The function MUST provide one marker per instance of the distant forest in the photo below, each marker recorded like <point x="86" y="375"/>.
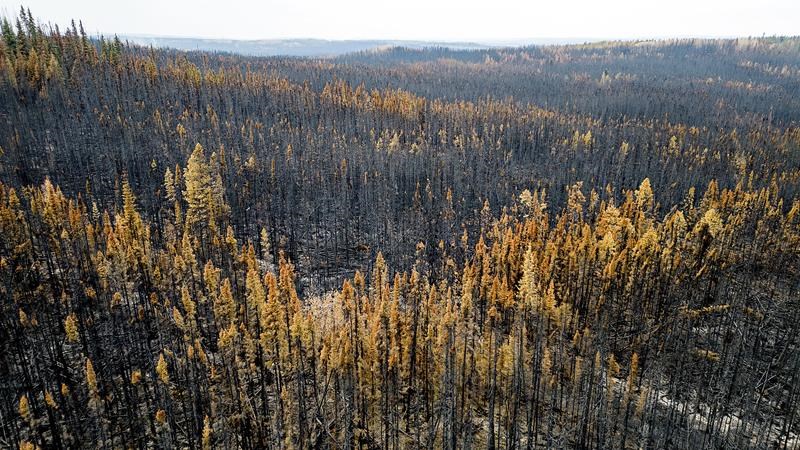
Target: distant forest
<point x="583" y="246"/>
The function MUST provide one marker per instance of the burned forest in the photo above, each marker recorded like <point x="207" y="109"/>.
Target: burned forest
<point x="592" y="246"/>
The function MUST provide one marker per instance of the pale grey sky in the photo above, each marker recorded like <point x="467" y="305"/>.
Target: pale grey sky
<point x="450" y="20"/>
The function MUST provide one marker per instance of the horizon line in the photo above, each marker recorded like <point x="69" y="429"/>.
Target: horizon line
<point x="493" y="41"/>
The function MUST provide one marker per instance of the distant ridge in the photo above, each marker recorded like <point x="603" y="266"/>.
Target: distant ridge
<point x="325" y="48"/>
<point x="290" y="47"/>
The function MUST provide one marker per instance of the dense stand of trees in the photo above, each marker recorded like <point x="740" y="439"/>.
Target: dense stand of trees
<point x="588" y="246"/>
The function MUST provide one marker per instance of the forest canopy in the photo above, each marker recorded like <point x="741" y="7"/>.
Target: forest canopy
<point x="583" y="246"/>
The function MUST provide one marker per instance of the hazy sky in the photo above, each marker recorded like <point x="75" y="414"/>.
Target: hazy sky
<point x="489" y="20"/>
